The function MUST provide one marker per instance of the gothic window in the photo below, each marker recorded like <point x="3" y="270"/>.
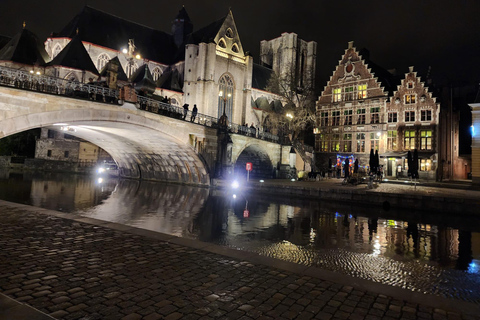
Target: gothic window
<point x="337" y="95"/>
<point x="409" y="98"/>
<point x="426" y="140"/>
<point x="409" y="140"/>
<point x="361" y="142"/>
<point x="130" y="68"/>
<point x="409" y="116"/>
<point x="156" y="72"/>
<point x="392" y="140"/>
<point x="235" y="48"/>
<point x="361" y="116"/>
<point x="426" y="115"/>
<point x="56" y="50"/>
<point x="225" y="96"/>
<point x="375" y="115"/>
<point x="392" y="117"/>
<point x="229" y="33"/>
<point x="102" y="61"/>
<point x="222" y="44"/>
<point x="362" y="91"/>
<point x="348" y="117"/>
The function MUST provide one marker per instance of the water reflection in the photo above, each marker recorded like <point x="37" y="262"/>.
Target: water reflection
<point x="416" y="250"/>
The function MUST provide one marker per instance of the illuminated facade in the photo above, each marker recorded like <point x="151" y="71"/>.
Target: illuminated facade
<point x="359" y="111"/>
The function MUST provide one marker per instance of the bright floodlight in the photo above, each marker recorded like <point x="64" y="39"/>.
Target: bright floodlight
<point x="235" y="184"/>
<point x="124" y="50"/>
<point x="262" y="181"/>
<point x="378" y="134"/>
<point x="292" y="180"/>
<point x="234" y="196"/>
<point x="100" y="180"/>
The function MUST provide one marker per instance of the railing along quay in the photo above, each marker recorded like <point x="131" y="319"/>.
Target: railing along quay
<point x="86" y="91"/>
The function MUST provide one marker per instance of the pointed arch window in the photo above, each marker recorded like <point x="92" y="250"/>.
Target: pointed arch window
<point x="225" y="96"/>
<point x="130" y="68"/>
<point x="102" y="61"/>
<point x="56" y="50"/>
<point x="156" y="72"/>
<point x="222" y="43"/>
<point x="235" y="48"/>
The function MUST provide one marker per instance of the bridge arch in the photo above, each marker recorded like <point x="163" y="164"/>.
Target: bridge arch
<point x="145" y="145"/>
<point x="262" y="165"/>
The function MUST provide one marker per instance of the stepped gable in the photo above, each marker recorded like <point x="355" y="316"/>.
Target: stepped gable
<point x="260" y="76"/>
<point x="75" y="56"/>
<point x="121" y="74"/>
<point x="387" y="79"/>
<point x="103" y="29"/>
<point x="24" y="48"/>
<point x="352" y="68"/>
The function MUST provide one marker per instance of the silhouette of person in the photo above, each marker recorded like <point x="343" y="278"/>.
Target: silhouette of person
<point x="194" y="113"/>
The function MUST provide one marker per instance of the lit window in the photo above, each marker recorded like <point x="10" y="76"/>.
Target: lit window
<point x="324" y="142"/>
<point x="347" y="142"/>
<point x="375" y="115"/>
<point x="362" y="91"/>
<point x="337" y="95"/>
<point x="102" y="61"/>
<point x="156" y="73"/>
<point x="409" y="116"/>
<point x="392" y="140"/>
<point x="426" y="115"/>
<point x="374" y="141"/>
<point x="409" y="98"/>
<point x="409" y="140"/>
<point x="348" y="117"/>
<point x="426" y="140"/>
<point x="360" y="142"/>
<point x="392" y="117"/>
<point x="335" y="144"/>
<point x="410" y="85"/>
<point x="130" y="68"/>
<point x="361" y="116"/>
<point x="425" y="165"/>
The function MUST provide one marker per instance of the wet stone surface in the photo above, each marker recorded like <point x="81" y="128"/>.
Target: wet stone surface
<point x="74" y="270"/>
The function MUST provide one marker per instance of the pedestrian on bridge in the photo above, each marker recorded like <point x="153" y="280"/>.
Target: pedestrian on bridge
<point x="194" y="113"/>
<point x="185" y="110"/>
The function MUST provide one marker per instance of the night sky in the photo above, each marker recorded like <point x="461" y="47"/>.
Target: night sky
<point x="441" y="34"/>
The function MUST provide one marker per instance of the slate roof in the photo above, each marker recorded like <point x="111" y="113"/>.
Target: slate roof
<point x="74" y="55"/>
<point x="4" y="40"/>
<point x="24" y="48"/>
<point x="182" y="15"/>
<point x="110" y="31"/>
<point x="206" y="34"/>
<point x="170" y="80"/>
<point x="143" y="80"/>
<point x="260" y="76"/>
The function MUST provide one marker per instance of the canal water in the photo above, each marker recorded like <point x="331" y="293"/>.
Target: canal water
<point x="421" y="251"/>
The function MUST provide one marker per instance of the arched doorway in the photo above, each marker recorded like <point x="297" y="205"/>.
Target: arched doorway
<point x="262" y="167"/>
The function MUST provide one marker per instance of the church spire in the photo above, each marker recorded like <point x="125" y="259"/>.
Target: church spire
<point x="181" y="27"/>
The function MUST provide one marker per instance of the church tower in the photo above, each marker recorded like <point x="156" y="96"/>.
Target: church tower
<point x="181" y="27"/>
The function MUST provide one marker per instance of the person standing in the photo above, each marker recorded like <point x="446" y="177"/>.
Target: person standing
<point x="185" y="110"/>
<point x="194" y="113"/>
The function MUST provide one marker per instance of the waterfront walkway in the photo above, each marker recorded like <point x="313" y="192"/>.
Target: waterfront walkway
<point x="55" y="265"/>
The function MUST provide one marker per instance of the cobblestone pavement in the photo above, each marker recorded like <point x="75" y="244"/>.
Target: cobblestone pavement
<point x="70" y="269"/>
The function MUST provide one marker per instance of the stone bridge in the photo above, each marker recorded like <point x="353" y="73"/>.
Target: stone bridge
<point x="145" y="145"/>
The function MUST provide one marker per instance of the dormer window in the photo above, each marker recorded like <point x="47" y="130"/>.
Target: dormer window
<point x="235" y="48"/>
<point x="222" y="44"/>
<point x="229" y="33"/>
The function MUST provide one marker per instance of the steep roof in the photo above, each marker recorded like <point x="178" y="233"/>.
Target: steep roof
<point x="121" y="74"/>
<point x="182" y="15"/>
<point x="143" y="80"/>
<point x="24" y="48"/>
<point x="4" y="40"/>
<point x="260" y="76"/>
<point x="110" y="31"/>
<point x="207" y="34"/>
<point x="74" y="55"/>
<point x="170" y="80"/>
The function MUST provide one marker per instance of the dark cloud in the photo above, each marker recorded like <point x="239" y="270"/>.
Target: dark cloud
<point x="442" y="34"/>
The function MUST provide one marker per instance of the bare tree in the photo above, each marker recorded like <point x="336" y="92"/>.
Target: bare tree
<point x="298" y="94"/>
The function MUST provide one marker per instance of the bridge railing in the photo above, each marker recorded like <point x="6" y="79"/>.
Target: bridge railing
<point x="31" y="81"/>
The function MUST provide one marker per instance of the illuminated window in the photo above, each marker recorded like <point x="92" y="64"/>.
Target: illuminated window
<point x="347" y="142"/>
<point x="348" y="93"/>
<point x="409" y="140"/>
<point x="225" y="96"/>
<point x="392" y="140"/>
<point x="156" y="72"/>
<point x="426" y="140"/>
<point x="374" y="141"/>
<point x="324" y="140"/>
<point x="360" y="142"/>
<point x="362" y="91"/>
<point x="392" y="117"/>
<point x="324" y="119"/>
<point x="130" y="68"/>
<point x="426" y="115"/>
<point x="337" y="95"/>
<point x="335" y="118"/>
<point x="335" y="144"/>
<point x="348" y="117"/>
<point x="361" y="116"/>
<point x="409" y="98"/>
<point x="102" y="61"/>
<point x="375" y="115"/>
<point x="425" y="165"/>
<point x="409" y="116"/>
